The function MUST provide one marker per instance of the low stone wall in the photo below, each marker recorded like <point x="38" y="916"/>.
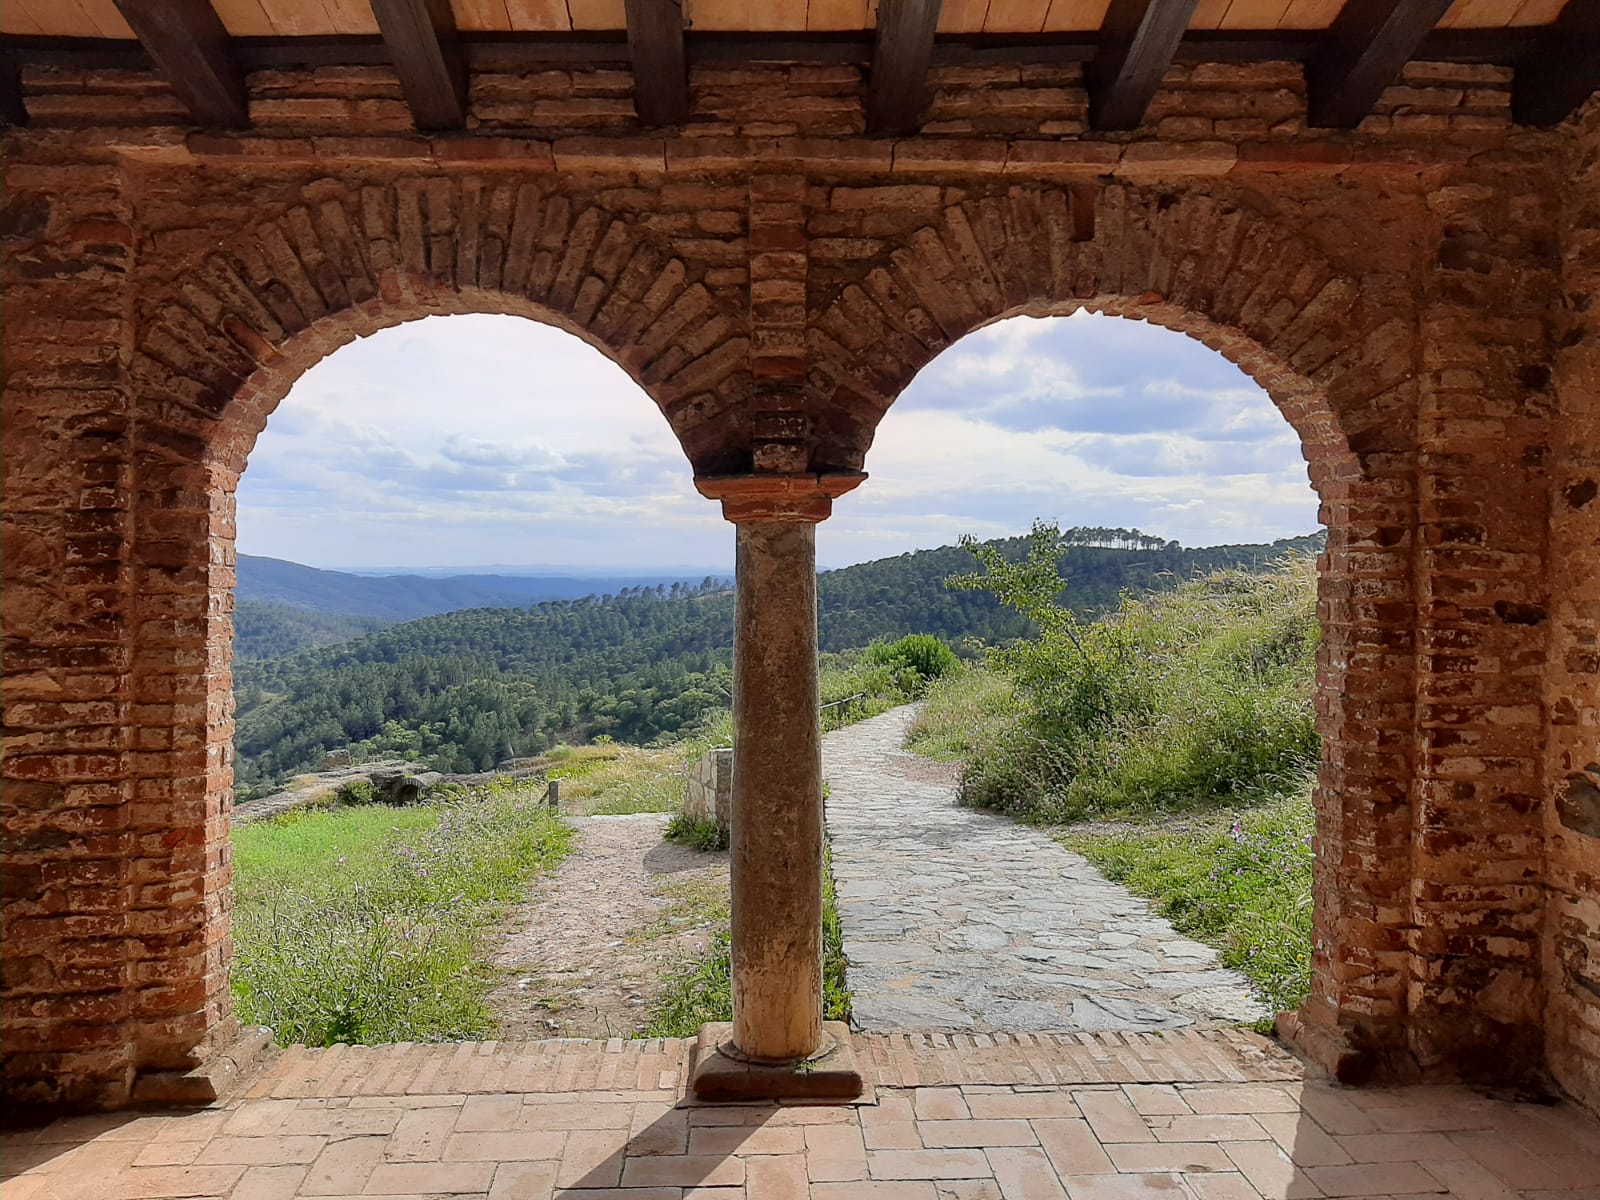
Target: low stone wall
<point x="710" y="792"/>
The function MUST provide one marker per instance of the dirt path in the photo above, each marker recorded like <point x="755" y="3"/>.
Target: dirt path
<point x="586" y="956"/>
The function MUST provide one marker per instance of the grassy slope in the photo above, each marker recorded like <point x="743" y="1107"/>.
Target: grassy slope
<point x="367" y="924"/>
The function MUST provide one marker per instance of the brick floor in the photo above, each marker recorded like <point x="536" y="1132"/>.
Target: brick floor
<point x="1221" y="1115"/>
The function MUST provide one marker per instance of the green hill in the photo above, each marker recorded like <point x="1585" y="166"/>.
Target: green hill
<point x="467" y="689"/>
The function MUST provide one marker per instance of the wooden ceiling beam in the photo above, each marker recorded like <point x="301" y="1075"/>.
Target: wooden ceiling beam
<point x="187" y="42"/>
<point x="421" y="38"/>
<point x="1562" y="71"/>
<point x="12" y="109"/>
<point x="660" y="69"/>
<point x="902" y="49"/>
<point x="1368" y="45"/>
<point x="1137" y="43"/>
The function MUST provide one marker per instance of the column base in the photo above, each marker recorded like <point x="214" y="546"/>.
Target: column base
<point x="213" y="1080"/>
<point x="830" y="1075"/>
<point x="1336" y="1053"/>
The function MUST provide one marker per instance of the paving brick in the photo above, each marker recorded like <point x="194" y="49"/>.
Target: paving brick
<point x="141" y="1183"/>
<point x="927" y="1164"/>
<point x="1270" y="1172"/>
<point x="774" y="1177"/>
<point x="1154" y="1099"/>
<point x="343" y="1167"/>
<point x="1163" y="1186"/>
<point x="515" y="1146"/>
<point x="1169" y="1156"/>
<point x="748" y="1139"/>
<point x="1303" y="1140"/>
<point x="1072" y="1147"/>
<point x="1368" y="1179"/>
<point x="1022" y="1105"/>
<point x="420" y="1136"/>
<point x="523" y="1181"/>
<point x="682" y="1170"/>
<point x="936" y="1134"/>
<point x="414" y="1179"/>
<point x="941" y="1104"/>
<point x="1226" y="1128"/>
<point x="592" y="1159"/>
<point x="483" y="1114"/>
<point x="898" y="1135"/>
<point x="835" y="1153"/>
<point x="269" y="1183"/>
<point x="1024" y="1173"/>
<point x="1112" y="1118"/>
<point x="273" y="1150"/>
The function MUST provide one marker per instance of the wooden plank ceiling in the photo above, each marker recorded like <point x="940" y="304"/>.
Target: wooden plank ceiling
<point x="1352" y="49"/>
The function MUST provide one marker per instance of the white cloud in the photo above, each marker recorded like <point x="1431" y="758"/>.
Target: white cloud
<point x="466" y="441"/>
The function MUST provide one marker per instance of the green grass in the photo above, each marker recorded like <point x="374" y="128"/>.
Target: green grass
<point x="1183" y="700"/>
<point x="1239" y="880"/>
<point x="960" y="713"/>
<point x="702" y="990"/>
<point x="368" y="924"/>
<point x="698" y="835"/>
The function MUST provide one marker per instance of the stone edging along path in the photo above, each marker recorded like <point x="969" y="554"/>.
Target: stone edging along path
<point x="961" y="920"/>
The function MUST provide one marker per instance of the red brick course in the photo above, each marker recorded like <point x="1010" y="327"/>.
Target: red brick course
<point x="1414" y="295"/>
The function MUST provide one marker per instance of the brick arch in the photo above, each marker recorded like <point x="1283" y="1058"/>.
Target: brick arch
<point x="217" y="346"/>
<point x="241" y="322"/>
<point x="1340" y="363"/>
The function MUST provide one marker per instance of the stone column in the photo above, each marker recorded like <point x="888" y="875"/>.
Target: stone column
<point x="777" y="1044"/>
<point x="776" y="859"/>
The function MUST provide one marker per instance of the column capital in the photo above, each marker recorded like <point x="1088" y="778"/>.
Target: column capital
<point x="802" y="497"/>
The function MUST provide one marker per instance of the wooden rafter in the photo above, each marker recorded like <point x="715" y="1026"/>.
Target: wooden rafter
<point x="660" y="70"/>
<point x="421" y="37"/>
<point x="189" y="45"/>
<point x="12" y="110"/>
<point x="1368" y="44"/>
<point x="1562" y="71"/>
<point x="901" y="52"/>
<point x="1137" y="45"/>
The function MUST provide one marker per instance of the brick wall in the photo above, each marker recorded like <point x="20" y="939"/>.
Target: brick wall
<point x="1571" y="814"/>
<point x="773" y="280"/>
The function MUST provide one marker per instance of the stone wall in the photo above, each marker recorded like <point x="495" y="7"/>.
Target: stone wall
<point x="1414" y="296"/>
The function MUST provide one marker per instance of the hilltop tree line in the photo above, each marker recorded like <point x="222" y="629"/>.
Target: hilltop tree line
<point x="466" y="690"/>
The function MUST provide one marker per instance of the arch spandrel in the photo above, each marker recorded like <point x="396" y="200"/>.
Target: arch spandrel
<point x="241" y="319"/>
<point x="1331" y="356"/>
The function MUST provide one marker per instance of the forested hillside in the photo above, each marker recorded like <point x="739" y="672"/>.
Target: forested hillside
<point x="468" y="689"/>
<point x="262" y="629"/>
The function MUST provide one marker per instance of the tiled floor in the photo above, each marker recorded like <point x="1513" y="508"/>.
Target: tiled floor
<point x="1186" y="1117"/>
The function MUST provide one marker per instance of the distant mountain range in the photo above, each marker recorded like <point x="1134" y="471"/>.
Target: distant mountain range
<point x="407" y="597"/>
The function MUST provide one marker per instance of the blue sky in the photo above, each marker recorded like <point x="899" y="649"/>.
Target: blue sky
<point x="476" y="441"/>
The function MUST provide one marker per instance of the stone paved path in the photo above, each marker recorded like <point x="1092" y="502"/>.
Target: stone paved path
<point x="958" y="919"/>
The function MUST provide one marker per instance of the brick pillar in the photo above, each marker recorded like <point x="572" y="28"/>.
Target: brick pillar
<point x="72" y="943"/>
<point x="1475" y="995"/>
<point x="182" y="774"/>
<point x="777" y="1044"/>
<point x="1572" y="678"/>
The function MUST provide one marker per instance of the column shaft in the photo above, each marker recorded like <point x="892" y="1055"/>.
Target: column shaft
<point x="777" y="794"/>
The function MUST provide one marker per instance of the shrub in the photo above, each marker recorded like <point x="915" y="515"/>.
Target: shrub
<point x="1176" y="700"/>
<point x="923" y="653"/>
